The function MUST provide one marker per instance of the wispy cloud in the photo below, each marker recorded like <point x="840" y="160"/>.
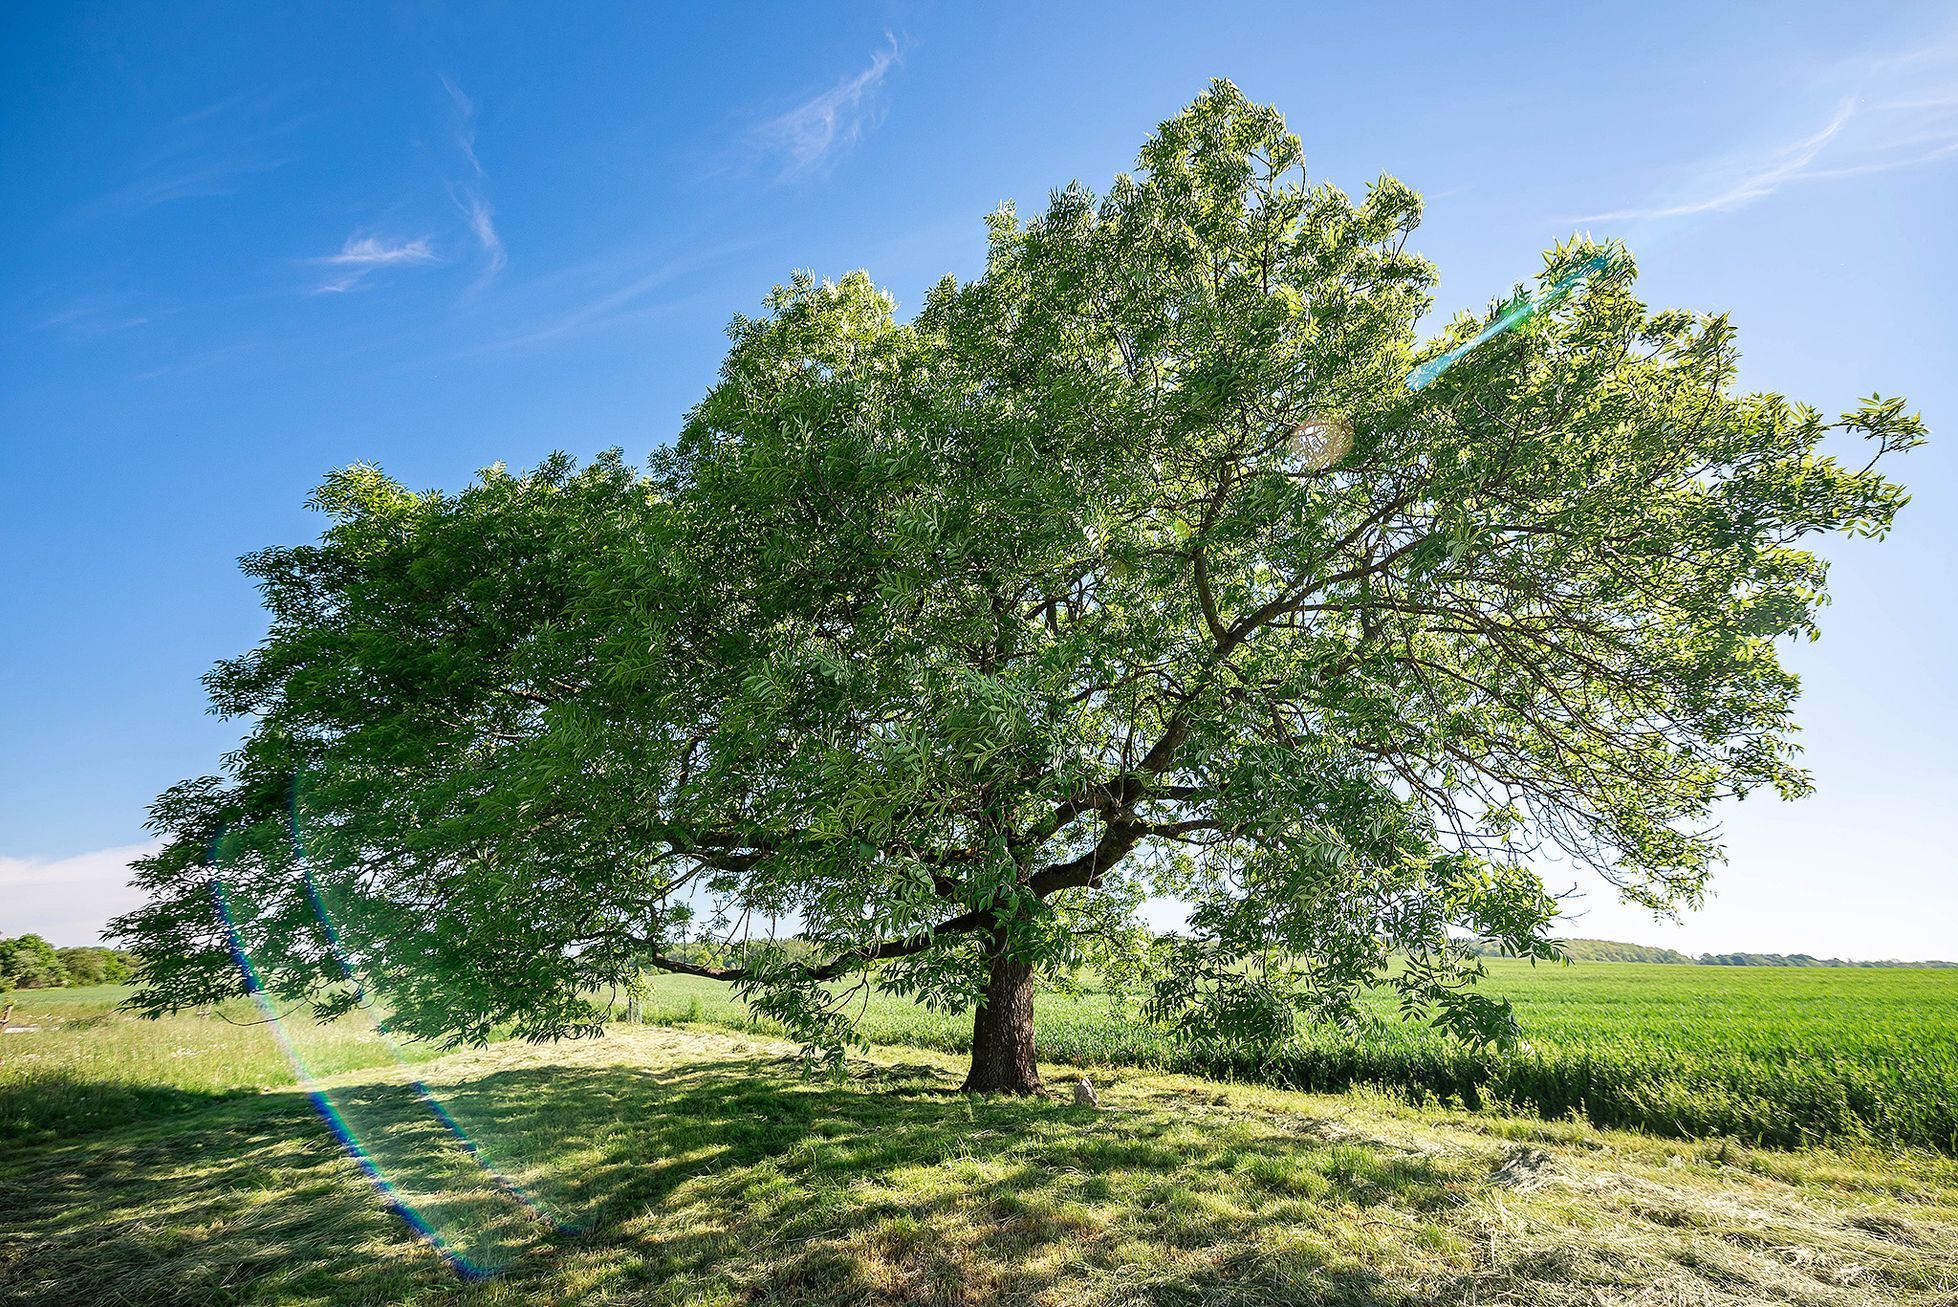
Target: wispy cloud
<point x="470" y="195"/>
<point x="465" y="121"/>
<point x="1898" y="113"/>
<point x="209" y="152"/>
<point x="481" y="218"/>
<point x="362" y="255"/>
<point x="183" y="179"/>
<point x="809" y="133"/>
<point x="1756" y="181"/>
<point x="371" y="251"/>
<point x="607" y="295"/>
<point x="89" y="318"/>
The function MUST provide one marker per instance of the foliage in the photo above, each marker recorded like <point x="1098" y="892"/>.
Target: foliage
<point x="1130" y="567"/>
<point x="1611" y="950"/>
<point x="1804" y="960"/>
<point x="1597" y="950"/>
<point x="29" y="962"/>
<point x="95" y="966"/>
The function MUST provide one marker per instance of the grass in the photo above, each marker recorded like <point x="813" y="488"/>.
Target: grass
<point x="1777" y="1056"/>
<point x="703" y="1167"/>
<point x="1785" y="1057"/>
<point x="88" y="1067"/>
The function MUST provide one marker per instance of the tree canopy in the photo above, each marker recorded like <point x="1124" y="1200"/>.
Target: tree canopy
<point x="90" y="965"/>
<point x="1132" y="567"/>
<point x="29" y="962"/>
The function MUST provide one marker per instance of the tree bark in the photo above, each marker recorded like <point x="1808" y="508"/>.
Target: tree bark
<point x="1003" y="1059"/>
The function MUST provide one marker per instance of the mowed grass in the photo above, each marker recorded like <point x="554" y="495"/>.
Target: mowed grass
<point x="1768" y="1055"/>
<point x="703" y="1167"/>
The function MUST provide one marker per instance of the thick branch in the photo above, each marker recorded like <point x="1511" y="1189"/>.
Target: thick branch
<point x="963" y="924"/>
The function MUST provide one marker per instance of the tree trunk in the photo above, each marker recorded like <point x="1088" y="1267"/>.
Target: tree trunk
<point x="1002" y="1028"/>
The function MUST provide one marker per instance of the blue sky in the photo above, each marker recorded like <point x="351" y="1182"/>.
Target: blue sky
<point x="246" y="244"/>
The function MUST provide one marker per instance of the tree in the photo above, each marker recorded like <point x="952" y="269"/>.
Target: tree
<point x="1133" y="566"/>
<point x="29" y="962"/>
<point x="93" y="966"/>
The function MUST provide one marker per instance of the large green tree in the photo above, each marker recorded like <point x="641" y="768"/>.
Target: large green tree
<point x="89" y="965"/>
<point x="1133" y="566"/>
<point x="30" y="962"/>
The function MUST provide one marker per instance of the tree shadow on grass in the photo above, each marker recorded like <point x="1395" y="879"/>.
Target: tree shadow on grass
<point x="65" y="1105"/>
<point x="729" y="1180"/>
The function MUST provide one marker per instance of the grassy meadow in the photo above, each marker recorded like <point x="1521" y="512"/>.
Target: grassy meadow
<point x="691" y="1159"/>
<point x="702" y="1167"/>
<point x="1781" y="1056"/>
<point x="85" y="1066"/>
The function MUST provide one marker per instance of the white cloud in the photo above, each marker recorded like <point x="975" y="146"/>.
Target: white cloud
<point x="68" y="901"/>
<point x="90" y="317"/>
<point x="192" y="179"/>
<point x="466" y="121"/>
<point x="213" y="151"/>
<point x="608" y="295"/>
<point x="482" y="225"/>
<point x="810" y="132"/>
<point x="370" y="252"/>
<point x="1754" y="182"/>
<point x="361" y="255"/>
<point x="469" y="195"/>
<point x="1898" y="112"/>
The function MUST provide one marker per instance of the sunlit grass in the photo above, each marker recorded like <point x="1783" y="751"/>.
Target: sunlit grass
<point x="711" y="1170"/>
<point x="85" y="1066"/>
<point x="1779" y="1056"/>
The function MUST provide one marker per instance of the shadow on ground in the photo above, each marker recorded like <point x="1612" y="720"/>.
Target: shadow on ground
<point x="63" y="1105"/>
<point x="718" y="1180"/>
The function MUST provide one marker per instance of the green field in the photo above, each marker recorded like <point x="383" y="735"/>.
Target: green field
<point x="176" y="1162"/>
<point x="87" y="1066"/>
<point x="1776" y="1056"/>
<point x="1783" y="1056"/>
<point x="703" y="1168"/>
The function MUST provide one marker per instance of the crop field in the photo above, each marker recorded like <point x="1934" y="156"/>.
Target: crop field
<point x="1782" y="1056"/>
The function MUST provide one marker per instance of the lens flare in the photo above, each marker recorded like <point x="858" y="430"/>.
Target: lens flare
<point x="1519" y="312"/>
<point x="429" y="1099"/>
<point x="406" y="1141"/>
<point x="1320" y="441"/>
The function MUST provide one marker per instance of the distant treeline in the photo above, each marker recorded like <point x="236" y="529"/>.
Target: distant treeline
<point x="30" y="962"/>
<point x="1611" y="950"/>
